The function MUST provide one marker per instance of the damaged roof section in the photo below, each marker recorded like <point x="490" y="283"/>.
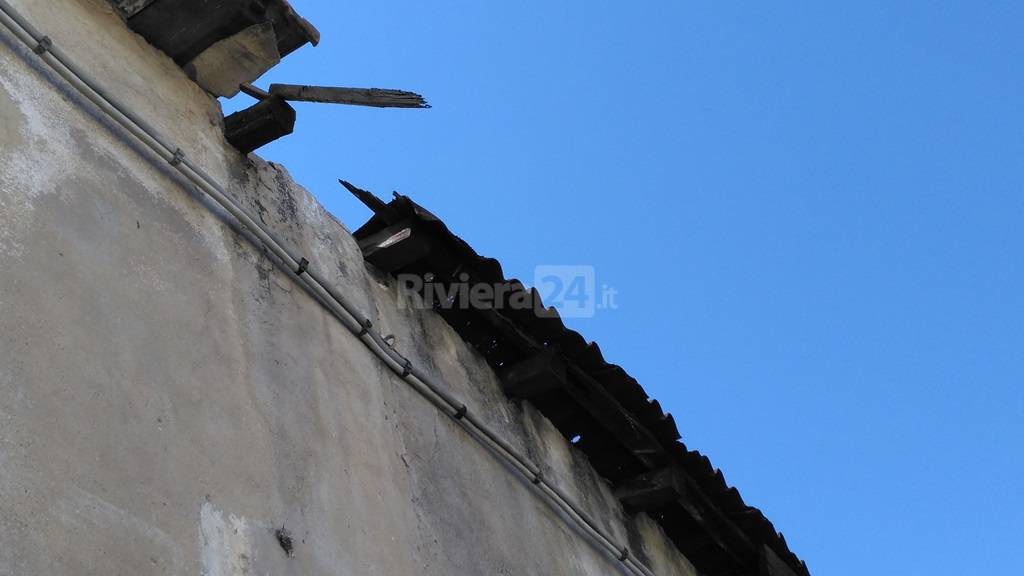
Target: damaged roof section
<point x="221" y="44"/>
<point x="225" y="45"/>
<point x="625" y="434"/>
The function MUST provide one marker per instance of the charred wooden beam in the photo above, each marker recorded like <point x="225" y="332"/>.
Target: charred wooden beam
<point x="259" y="125"/>
<point x="592" y="398"/>
<point x="379" y="207"/>
<point x="718" y="543"/>
<point x="729" y="538"/>
<point x="730" y="542"/>
<point x="622" y="425"/>
<point x="652" y="489"/>
<point x="375" y="97"/>
<point x="396" y="246"/>
<point x="538" y="374"/>
<point x="725" y="544"/>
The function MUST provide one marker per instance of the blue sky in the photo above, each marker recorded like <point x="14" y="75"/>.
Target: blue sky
<point x="813" y="214"/>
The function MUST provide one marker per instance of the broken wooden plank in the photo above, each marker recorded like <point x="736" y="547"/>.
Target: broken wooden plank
<point x="375" y="97"/>
<point x="541" y="373"/>
<point x="259" y="125"/>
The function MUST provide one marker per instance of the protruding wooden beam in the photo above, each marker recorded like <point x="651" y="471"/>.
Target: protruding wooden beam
<point x="395" y="247"/>
<point x="379" y="207"/>
<point x="536" y="375"/>
<point x="652" y="489"/>
<point x="259" y="125"/>
<point x="250" y="90"/>
<point x="375" y="97"/>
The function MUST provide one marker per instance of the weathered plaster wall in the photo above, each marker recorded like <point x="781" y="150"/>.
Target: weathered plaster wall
<point x="169" y="398"/>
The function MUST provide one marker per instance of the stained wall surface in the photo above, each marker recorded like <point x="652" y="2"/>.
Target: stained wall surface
<point x="170" y="399"/>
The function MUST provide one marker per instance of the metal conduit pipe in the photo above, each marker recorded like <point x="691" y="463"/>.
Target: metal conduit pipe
<point x="339" y="306"/>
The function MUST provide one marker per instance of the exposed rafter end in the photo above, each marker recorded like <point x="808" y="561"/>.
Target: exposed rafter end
<point x="259" y="125"/>
<point x="652" y="490"/>
<point x="538" y="374"/>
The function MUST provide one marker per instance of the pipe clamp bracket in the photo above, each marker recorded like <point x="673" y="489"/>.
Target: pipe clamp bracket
<point x="178" y="158"/>
<point x="45" y="45"/>
<point x="366" y="327"/>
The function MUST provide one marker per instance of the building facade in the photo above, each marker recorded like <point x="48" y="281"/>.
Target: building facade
<point x="176" y="399"/>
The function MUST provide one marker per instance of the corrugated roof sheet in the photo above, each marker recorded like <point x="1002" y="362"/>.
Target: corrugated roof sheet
<point x="712" y="525"/>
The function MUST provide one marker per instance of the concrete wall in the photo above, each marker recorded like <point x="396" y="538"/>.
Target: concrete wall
<point x="169" y="398"/>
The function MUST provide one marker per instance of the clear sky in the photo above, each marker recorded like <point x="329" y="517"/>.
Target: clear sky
<point x="813" y="214"/>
